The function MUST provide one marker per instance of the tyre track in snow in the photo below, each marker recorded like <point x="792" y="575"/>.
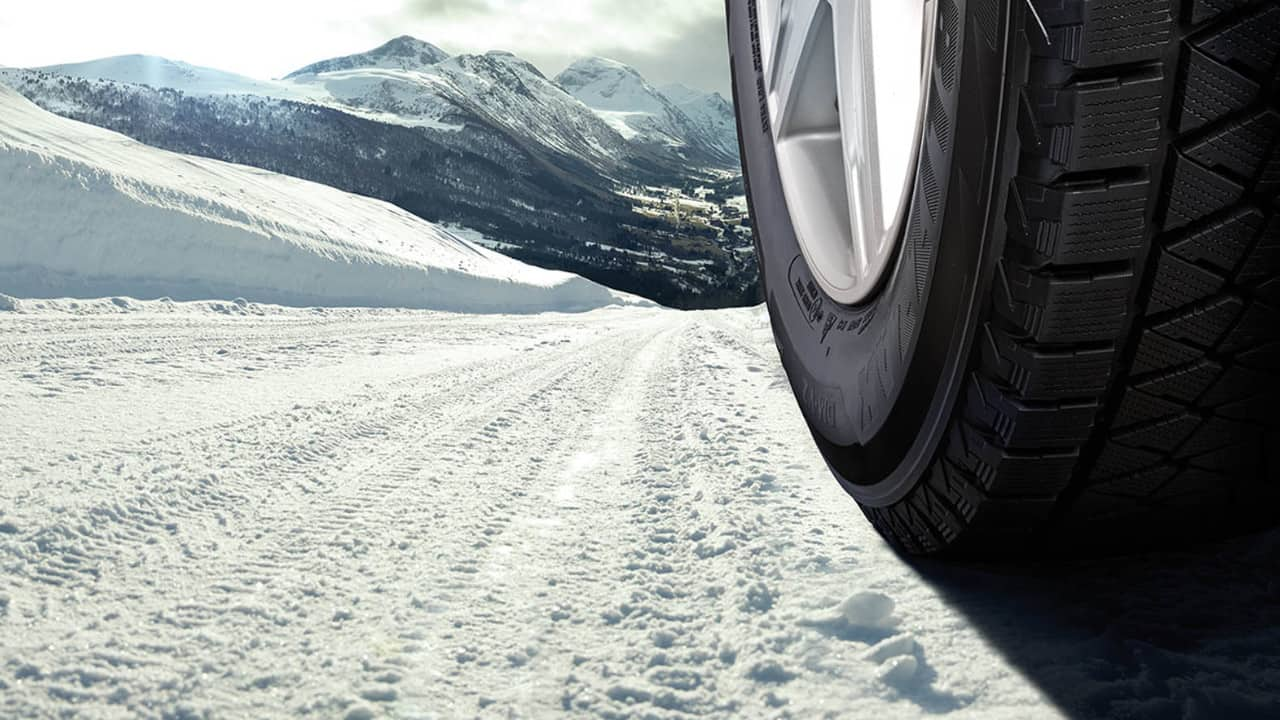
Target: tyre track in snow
<point x="132" y="517"/>
<point x="611" y="515"/>
<point x="713" y="541"/>
<point x="524" y="581"/>
<point x="461" y="409"/>
<point x="472" y="564"/>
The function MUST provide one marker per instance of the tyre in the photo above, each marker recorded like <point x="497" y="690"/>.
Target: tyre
<point x="1021" y="260"/>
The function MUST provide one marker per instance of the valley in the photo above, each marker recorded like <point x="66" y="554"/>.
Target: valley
<point x="484" y="142"/>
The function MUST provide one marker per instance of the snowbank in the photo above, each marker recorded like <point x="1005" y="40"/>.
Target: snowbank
<point x="90" y="213"/>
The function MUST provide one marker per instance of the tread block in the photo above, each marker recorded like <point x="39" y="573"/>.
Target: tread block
<point x="1100" y="123"/>
<point x="1203" y="325"/>
<point x="1265" y="357"/>
<point x="1212" y="91"/>
<point x="1116" y="460"/>
<point x="1162" y="436"/>
<point x="1203" y="10"/>
<point x="1038" y="374"/>
<point x="1140" y="484"/>
<point x="1053" y="308"/>
<point x="1240" y="146"/>
<point x="1269" y="182"/>
<point x="1194" y="486"/>
<point x="1006" y="473"/>
<point x="1082" y="223"/>
<point x="1185" y="384"/>
<point x="1257" y="407"/>
<point x="1263" y="262"/>
<point x="1017" y="516"/>
<point x="1021" y="425"/>
<point x="1178" y="283"/>
<point x="1095" y="33"/>
<point x="1138" y="407"/>
<point x="1222" y="243"/>
<point x="1218" y="433"/>
<point x="1229" y="459"/>
<point x="1250" y="41"/>
<point x="1268" y="291"/>
<point x="1234" y="383"/>
<point x="1258" y="324"/>
<point x="1157" y="352"/>
<point x="1196" y="192"/>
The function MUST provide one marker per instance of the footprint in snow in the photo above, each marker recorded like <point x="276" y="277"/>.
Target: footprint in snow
<point x="868" y="617"/>
<point x="896" y="657"/>
<point x="862" y="616"/>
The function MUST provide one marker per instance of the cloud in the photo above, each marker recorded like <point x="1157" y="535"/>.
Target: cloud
<point x="699" y="57"/>
<point x="432" y="9"/>
<point x="667" y="40"/>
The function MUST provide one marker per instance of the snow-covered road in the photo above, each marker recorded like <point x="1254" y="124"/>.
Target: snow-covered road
<point x="225" y="511"/>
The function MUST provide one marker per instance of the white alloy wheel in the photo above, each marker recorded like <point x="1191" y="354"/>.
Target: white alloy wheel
<point x="846" y="83"/>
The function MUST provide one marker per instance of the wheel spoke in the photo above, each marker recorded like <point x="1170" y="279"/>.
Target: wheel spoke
<point x="844" y="87"/>
<point x="859" y="123"/>
<point x="801" y="35"/>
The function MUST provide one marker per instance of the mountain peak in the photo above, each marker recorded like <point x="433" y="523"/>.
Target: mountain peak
<point x="406" y="46"/>
<point x="401" y="53"/>
<point x="606" y="84"/>
<point x="682" y="94"/>
<point x="693" y="121"/>
<point x="159" y="72"/>
<point x="591" y="69"/>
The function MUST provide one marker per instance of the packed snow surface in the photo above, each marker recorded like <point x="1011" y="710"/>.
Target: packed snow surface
<point x="88" y="212"/>
<point x="233" y="510"/>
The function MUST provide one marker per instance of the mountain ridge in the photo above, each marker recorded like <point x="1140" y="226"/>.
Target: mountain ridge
<point x="404" y="52"/>
<point x="622" y="96"/>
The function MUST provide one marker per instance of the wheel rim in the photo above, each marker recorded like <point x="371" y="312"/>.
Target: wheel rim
<point x="846" y="84"/>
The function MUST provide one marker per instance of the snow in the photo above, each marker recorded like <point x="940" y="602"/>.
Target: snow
<point x="620" y="96"/>
<point x="708" y="111"/>
<point x="621" y="121"/>
<point x="676" y="116"/>
<point x="496" y="87"/>
<point x="242" y="510"/>
<point x="159" y="72"/>
<point x="415" y="84"/>
<point x="92" y="213"/>
<point x="396" y="96"/>
<point x="605" y="84"/>
<point x="401" y="53"/>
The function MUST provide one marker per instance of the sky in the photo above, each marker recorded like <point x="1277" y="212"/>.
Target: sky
<point x="666" y="40"/>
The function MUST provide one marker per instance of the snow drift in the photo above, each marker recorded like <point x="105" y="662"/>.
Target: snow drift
<point x="90" y="213"/>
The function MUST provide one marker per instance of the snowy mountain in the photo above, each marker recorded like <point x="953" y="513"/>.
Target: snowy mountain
<point x="496" y="88"/>
<point x="709" y="112"/>
<point x="158" y="72"/>
<point x="621" y="96"/>
<point x="91" y="213"/>
<point x="481" y="141"/>
<point x="402" y="53"/>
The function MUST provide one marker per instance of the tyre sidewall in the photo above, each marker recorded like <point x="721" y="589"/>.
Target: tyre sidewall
<point x="875" y="382"/>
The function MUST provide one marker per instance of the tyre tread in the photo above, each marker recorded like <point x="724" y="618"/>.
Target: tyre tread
<point x="1127" y="374"/>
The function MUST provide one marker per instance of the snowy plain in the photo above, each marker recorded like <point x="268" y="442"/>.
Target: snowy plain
<point x="217" y="510"/>
<point x="225" y="508"/>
